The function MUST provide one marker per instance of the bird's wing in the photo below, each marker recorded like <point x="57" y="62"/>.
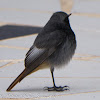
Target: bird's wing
<point x="33" y="59"/>
<point x="50" y="40"/>
<point x="45" y="44"/>
<point x="37" y="56"/>
<point x="29" y="50"/>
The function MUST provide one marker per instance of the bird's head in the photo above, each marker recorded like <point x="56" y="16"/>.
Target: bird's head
<point x="61" y="16"/>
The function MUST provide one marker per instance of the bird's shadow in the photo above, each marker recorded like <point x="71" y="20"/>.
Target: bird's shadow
<point x="36" y="89"/>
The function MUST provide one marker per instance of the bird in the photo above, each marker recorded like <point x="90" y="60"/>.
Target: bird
<point x="53" y="48"/>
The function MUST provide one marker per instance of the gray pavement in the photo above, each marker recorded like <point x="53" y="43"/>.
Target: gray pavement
<point x="86" y="6"/>
<point x="32" y="12"/>
<point x="82" y="74"/>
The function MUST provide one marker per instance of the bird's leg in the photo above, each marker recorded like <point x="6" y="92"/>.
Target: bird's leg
<point x="55" y="88"/>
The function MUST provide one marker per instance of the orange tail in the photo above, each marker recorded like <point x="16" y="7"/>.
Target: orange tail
<point x="18" y="79"/>
<point x="25" y="72"/>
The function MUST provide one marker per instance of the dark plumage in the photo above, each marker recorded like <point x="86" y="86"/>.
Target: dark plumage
<point x="53" y="47"/>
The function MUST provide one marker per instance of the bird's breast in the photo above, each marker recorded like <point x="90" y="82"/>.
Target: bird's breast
<point x="63" y="53"/>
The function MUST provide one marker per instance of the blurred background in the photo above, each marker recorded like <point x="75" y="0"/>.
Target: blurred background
<point x="25" y="17"/>
<point x="22" y="20"/>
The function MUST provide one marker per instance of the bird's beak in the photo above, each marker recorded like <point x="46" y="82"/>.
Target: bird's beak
<point x="69" y="14"/>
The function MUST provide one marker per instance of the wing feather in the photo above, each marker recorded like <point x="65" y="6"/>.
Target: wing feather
<point x="33" y="55"/>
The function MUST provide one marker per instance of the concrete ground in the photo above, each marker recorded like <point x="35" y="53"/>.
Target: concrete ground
<point x="21" y="20"/>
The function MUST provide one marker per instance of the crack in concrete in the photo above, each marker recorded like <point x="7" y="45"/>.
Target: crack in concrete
<point x="19" y="37"/>
<point x="12" y="60"/>
<point x="25" y="10"/>
<point x="86" y="14"/>
<point x="13" y="47"/>
<point x="8" y="64"/>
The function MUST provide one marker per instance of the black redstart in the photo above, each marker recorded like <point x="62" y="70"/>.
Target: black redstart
<point x="53" y="47"/>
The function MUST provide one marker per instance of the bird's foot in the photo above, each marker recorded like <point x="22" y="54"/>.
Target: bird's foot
<point x="60" y="88"/>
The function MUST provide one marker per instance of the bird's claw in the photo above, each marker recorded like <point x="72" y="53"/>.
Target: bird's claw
<point x="60" y="88"/>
